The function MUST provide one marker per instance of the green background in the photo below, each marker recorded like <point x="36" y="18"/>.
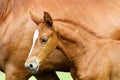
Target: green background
<point x="62" y="76"/>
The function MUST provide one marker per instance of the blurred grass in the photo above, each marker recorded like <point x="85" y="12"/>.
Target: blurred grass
<point x="2" y="76"/>
<point x="62" y="76"/>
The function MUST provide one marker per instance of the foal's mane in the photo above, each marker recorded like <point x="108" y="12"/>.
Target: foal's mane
<point x="80" y="26"/>
<point x="6" y="6"/>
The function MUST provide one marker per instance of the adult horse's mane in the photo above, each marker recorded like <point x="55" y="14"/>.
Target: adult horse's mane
<point x="6" y="6"/>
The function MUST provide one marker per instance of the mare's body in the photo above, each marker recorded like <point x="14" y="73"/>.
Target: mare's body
<point x="16" y="32"/>
<point x="102" y="17"/>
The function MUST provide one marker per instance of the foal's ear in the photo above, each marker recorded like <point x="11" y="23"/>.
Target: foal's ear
<point x="48" y="19"/>
<point x="35" y="19"/>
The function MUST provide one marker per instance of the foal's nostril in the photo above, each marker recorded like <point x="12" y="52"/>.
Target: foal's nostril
<point x="28" y="66"/>
<point x="31" y="66"/>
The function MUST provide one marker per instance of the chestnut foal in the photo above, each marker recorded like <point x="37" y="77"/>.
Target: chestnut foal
<point x="91" y="57"/>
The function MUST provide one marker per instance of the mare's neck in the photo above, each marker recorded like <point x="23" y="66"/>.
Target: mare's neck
<point x="74" y="38"/>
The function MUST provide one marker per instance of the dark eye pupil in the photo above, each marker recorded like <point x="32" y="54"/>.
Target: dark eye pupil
<point x="44" y="40"/>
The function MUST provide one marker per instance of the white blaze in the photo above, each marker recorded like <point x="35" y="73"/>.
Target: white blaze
<point x="36" y="34"/>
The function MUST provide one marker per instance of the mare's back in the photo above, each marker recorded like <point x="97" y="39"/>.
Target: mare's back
<point x="101" y="16"/>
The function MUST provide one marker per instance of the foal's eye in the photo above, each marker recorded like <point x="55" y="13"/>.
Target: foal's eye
<point x="44" y="40"/>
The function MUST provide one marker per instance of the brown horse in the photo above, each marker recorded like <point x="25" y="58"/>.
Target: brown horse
<point x="16" y="32"/>
<point x="91" y="57"/>
<point x="100" y="17"/>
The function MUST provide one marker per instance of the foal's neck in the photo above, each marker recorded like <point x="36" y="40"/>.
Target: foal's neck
<point x="74" y="38"/>
<point x="74" y="32"/>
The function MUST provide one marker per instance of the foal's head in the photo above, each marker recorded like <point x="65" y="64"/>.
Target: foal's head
<point x="45" y="40"/>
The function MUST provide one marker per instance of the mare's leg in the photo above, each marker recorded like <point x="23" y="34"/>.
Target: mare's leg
<point x="47" y="76"/>
<point x="13" y="73"/>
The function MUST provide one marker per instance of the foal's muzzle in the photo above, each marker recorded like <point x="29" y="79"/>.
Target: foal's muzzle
<point x="32" y="66"/>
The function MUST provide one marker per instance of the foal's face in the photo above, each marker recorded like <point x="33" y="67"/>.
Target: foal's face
<point x="45" y="41"/>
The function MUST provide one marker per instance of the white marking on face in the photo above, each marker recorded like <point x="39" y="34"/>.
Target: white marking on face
<point x="36" y="34"/>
